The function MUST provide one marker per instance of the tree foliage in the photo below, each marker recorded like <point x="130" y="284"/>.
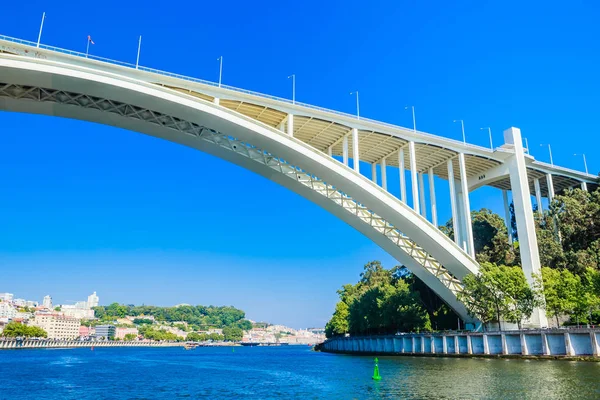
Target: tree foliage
<point x="15" y="329"/>
<point x="381" y="302"/>
<point x="198" y="316"/>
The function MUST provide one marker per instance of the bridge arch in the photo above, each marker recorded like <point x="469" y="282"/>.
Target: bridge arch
<point x="78" y="92"/>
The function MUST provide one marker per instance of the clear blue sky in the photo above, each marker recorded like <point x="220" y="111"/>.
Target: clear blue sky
<point x="87" y="207"/>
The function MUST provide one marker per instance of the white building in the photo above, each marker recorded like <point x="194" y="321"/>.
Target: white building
<point x="93" y="300"/>
<point x="7" y="310"/>
<point x="20" y="302"/>
<point x="58" y="326"/>
<point x="6" y="297"/>
<point x="77" y="312"/>
<point x="47" y="303"/>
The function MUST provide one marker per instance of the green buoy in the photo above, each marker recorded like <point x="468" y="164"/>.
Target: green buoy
<point x="232" y="349"/>
<point x="376" y="376"/>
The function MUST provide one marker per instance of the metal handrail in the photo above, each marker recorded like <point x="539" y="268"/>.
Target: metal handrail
<point x="232" y="88"/>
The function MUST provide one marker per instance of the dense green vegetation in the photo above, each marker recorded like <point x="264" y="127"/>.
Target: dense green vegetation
<point x="203" y="337"/>
<point x="381" y="302"/>
<point x="15" y="329"/>
<point x="198" y="317"/>
<point x="568" y="236"/>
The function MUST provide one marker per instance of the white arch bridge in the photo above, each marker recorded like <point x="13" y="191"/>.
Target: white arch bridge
<point x="307" y="149"/>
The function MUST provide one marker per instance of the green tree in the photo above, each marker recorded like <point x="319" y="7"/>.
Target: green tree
<point x="15" y="329"/>
<point x="560" y="291"/>
<point x="232" y="334"/>
<point x="338" y="324"/>
<point x="130" y="336"/>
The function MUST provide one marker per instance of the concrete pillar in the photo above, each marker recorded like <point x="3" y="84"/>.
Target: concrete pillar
<point x="422" y="205"/>
<point x="507" y="216"/>
<point x="524" y="349"/>
<point x="445" y="344"/>
<point x="504" y="346"/>
<point x="382" y="166"/>
<point x="550" y="184"/>
<point x="486" y="345"/>
<point x="594" y="341"/>
<point x="355" y="152"/>
<point x="413" y="344"/>
<point x="538" y="196"/>
<point x="290" y="125"/>
<point x="456" y="345"/>
<point x="469" y="345"/>
<point x="431" y="175"/>
<point x="330" y="151"/>
<point x="466" y="205"/>
<point x="568" y="345"/>
<point x="432" y="344"/>
<point x="455" y="224"/>
<point x="528" y="248"/>
<point x="374" y="173"/>
<point x="413" y="176"/>
<point x="545" y="347"/>
<point x="345" y="150"/>
<point x="216" y="100"/>
<point x="584" y="186"/>
<point x="422" y="344"/>
<point x="402" y="175"/>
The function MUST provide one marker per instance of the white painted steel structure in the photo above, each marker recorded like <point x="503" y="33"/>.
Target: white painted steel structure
<point x="294" y="144"/>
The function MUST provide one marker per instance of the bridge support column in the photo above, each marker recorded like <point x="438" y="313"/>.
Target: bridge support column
<point x="507" y="216"/>
<point x="550" y="184"/>
<point x="330" y="151"/>
<point x="422" y="204"/>
<point x="431" y="176"/>
<point x="402" y="175"/>
<point x="466" y="205"/>
<point x="374" y="173"/>
<point x="530" y="257"/>
<point x="453" y="202"/>
<point x="355" y="152"/>
<point x="538" y="196"/>
<point x="290" y="125"/>
<point x="345" y="150"/>
<point x="382" y="166"/>
<point x="413" y="176"/>
<point x="584" y="186"/>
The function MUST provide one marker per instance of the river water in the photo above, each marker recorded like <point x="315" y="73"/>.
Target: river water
<point x="281" y="373"/>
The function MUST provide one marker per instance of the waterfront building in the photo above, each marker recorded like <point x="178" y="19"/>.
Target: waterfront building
<point x="105" y="331"/>
<point x="47" y="303"/>
<point x="7" y="310"/>
<point x="57" y="326"/>
<point x="122" y="331"/>
<point x="20" y="302"/>
<point x="77" y="312"/>
<point x="93" y="300"/>
<point x="6" y="297"/>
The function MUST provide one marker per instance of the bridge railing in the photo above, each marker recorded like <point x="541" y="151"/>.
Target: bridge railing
<point x="232" y="88"/>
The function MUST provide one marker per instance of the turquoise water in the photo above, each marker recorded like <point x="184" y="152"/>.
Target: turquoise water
<point x="281" y="373"/>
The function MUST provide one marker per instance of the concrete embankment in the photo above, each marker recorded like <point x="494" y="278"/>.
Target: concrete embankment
<point x="544" y="344"/>
<point x="43" y="344"/>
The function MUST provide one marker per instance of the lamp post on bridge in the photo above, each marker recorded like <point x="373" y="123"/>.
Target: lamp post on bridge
<point x="490" y="133"/>
<point x="220" y="59"/>
<point x="293" y="76"/>
<point x="526" y="145"/>
<point x="357" y="104"/>
<point x="41" y="28"/>
<point x="584" y="162"/>
<point x="549" y="151"/>
<point x="414" y="119"/>
<point x="137" y="60"/>
<point x="462" y="125"/>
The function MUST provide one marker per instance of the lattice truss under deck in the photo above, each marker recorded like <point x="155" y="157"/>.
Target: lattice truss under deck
<point x="247" y="150"/>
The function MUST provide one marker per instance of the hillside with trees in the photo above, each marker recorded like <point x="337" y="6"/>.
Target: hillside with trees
<point x="568" y="234"/>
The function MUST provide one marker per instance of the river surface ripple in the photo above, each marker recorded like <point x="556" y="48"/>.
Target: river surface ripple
<point x="281" y="373"/>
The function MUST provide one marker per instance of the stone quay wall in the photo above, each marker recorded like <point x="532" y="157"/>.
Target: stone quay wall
<point x="543" y="343"/>
<point x="41" y="344"/>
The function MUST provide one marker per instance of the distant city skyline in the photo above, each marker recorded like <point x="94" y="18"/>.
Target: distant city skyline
<point x="144" y="221"/>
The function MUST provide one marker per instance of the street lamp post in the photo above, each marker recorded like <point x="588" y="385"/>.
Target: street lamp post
<point x="357" y="104"/>
<point x="584" y="162"/>
<point x="414" y="119"/>
<point x="526" y="145"/>
<point x="462" y="124"/>
<point x="41" y="27"/>
<point x="220" y="69"/>
<point x="549" y="151"/>
<point x="293" y="76"/>
<point x="490" y="133"/>
<point x="137" y="60"/>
